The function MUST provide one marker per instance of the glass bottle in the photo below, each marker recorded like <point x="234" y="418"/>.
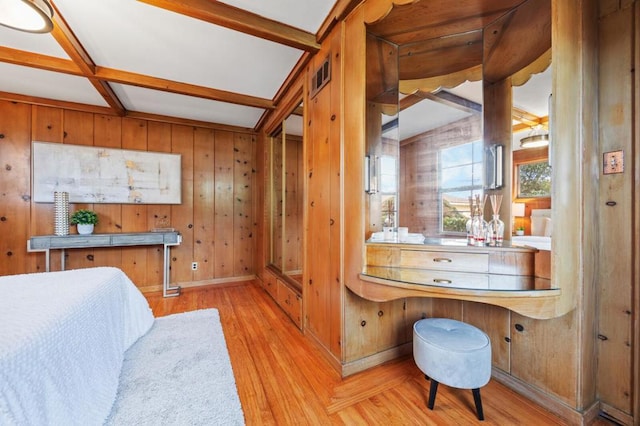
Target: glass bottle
<point x="496" y="231"/>
<point x="470" y="239"/>
<point x="479" y="226"/>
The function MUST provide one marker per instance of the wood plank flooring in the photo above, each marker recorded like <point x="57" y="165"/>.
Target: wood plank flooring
<point x="283" y="379"/>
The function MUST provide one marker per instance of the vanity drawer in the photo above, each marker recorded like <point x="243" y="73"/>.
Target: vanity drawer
<point x="453" y="279"/>
<point x="445" y="261"/>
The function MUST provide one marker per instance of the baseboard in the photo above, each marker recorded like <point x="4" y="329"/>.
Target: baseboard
<point x="616" y="415"/>
<point x="365" y="363"/>
<point x="324" y="352"/>
<point x="215" y="281"/>
<point x="203" y="283"/>
<point x="543" y="399"/>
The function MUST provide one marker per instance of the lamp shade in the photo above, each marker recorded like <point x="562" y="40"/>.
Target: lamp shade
<point x="33" y="16"/>
<point x="517" y="209"/>
<point x="534" y="141"/>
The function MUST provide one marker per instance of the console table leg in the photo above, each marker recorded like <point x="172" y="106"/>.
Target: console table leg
<point x="166" y="287"/>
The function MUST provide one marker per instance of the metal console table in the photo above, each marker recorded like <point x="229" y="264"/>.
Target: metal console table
<point x="47" y="243"/>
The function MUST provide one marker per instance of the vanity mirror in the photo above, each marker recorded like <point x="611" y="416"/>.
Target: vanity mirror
<point x="451" y="131"/>
<point x="456" y="70"/>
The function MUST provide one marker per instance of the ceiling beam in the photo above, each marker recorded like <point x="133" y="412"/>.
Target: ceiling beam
<point x="68" y="41"/>
<point x="43" y="62"/>
<point x="65" y="66"/>
<point x="147" y="82"/>
<point x="74" y="106"/>
<point x="186" y="122"/>
<point x="218" y="13"/>
<point x="443" y="97"/>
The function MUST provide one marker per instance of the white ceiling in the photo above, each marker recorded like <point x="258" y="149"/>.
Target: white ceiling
<point x="532" y="97"/>
<point x="137" y="37"/>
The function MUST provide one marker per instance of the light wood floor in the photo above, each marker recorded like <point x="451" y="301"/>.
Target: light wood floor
<point x="283" y="379"/>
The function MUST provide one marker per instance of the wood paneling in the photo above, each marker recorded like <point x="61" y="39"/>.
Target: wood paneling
<point x="203" y="210"/>
<point x="224" y="157"/>
<point x="204" y="218"/>
<point x="134" y="259"/>
<point x="158" y="215"/>
<point x="243" y="228"/>
<point x="15" y="182"/>
<point x="78" y="130"/>
<point x="615" y="289"/>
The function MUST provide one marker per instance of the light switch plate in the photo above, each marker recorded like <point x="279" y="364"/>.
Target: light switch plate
<point x="613" y="162"/>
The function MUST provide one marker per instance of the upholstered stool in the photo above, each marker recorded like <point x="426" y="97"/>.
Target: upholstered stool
<point x="454" y="353"/>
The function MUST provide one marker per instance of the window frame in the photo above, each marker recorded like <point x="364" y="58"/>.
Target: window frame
<point x="527" y="156"/>
<point x="471" y="188"/>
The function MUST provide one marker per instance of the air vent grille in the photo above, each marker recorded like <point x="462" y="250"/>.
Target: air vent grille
<point x="321" y="76"/>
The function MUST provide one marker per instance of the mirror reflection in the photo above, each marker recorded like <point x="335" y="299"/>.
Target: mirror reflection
<point x="286" y="193"/>
<point x="454" y="104"/>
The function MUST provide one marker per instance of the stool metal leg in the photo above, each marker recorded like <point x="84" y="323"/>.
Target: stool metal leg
<point x="432" y="393"/>
<point x="478" y="401"/>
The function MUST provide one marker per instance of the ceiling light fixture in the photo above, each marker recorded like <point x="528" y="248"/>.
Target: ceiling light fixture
<point x="535" y="139"/>
<point x="32" y="16"/>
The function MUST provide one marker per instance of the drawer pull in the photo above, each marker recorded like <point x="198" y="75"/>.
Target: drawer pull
<point x="441" y="281"/>
<point x="442" y="260"/>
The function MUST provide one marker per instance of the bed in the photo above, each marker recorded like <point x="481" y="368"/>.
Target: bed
<point x="62" y="341"/>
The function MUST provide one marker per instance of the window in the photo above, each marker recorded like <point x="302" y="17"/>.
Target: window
<point x="388" y="189"/>
<point x="534" y="179"/>
<point x="461" y="173"/>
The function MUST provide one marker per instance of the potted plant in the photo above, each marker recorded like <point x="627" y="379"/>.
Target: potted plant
<point x="85" y="219"/>
<point x="520" y="230"/>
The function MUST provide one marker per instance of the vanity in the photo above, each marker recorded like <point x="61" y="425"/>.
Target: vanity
<point x="506" y="276"/>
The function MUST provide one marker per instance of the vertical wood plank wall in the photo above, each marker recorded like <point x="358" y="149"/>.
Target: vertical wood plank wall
<point x="216" y="217"/>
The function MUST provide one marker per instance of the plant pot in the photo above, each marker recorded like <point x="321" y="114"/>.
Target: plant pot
<point x="519" y="232"/>
<point x="85" y="229"/>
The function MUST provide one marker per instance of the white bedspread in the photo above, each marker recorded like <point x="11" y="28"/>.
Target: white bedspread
<point x="62" y="341"/>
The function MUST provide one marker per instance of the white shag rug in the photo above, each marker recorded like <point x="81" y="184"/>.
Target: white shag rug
<point x="179" y="373"/>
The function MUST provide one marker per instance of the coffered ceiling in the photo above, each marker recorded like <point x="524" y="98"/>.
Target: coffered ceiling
<point x="208" y="62"/>
<point x="195" y="60"/>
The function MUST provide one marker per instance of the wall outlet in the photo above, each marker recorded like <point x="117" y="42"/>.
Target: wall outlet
<point x="194" y="266"/>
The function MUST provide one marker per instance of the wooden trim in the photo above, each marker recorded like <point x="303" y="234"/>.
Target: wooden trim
<point x="218" y="13"/>
<point x="285" y="107"/>
<point x="145" y="81"/>
<point x="68" y="41"/>
<point x="74" y="106"/>
<point x="186" y="122"/>
<point x="365" y="363"/>
<point x="50" y="63"/>
<point x="536" y="304"/>
<point x="43" y="62"/>
<point x="541" y="398"/>
<point x="635" y="326"/>
<point x="338" y="13"/>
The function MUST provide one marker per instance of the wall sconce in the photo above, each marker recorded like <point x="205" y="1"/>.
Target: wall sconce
<point x="370" y="174"/>
<point x="32" y="16"/>
<point x="517" y="209"/>
<point x="494" y="166"/>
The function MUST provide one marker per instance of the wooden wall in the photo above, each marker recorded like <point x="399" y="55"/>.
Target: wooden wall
<point x="216" y="217"/>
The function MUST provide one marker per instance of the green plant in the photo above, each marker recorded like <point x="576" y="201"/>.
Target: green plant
<point x="84" y="217"/>
<point x="520" y="228"/>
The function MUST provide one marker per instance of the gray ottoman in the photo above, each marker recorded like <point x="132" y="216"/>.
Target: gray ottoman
<point x="453" y="353"/>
